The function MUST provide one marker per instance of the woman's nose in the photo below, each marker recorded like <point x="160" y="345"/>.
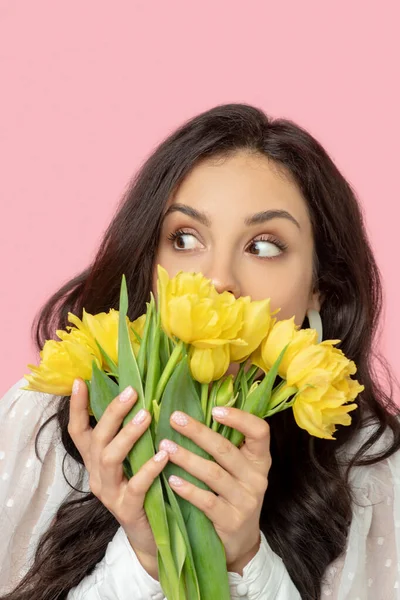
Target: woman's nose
<point x="226" y="283"/>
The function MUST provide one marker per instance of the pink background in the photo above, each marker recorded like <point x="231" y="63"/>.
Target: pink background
<point x="89" y="88"/>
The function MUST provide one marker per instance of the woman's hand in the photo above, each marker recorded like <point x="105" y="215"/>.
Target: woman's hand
<point x="103" y="450"/>
<point x="239" y="478"/>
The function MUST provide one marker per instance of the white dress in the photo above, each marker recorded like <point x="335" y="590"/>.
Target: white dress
<point x="31" y="492"/>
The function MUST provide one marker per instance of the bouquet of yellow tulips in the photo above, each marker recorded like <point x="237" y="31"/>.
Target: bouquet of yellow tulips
<point x="176" y="356"/>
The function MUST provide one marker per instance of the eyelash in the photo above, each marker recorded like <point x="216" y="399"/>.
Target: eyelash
<point x="271" y="239"/>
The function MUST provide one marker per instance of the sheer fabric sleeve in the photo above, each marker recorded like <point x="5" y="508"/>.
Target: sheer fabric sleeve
<point x="369" y="569"/>
<point x="30" y="491"/>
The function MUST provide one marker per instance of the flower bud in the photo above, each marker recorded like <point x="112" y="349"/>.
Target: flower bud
<point x="225" y="392"/>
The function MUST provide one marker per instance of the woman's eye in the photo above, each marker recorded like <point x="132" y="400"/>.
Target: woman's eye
<point x="184" y="241"/>
<point x="264" y="249"/>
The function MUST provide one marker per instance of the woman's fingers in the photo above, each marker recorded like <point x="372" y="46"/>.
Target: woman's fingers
<point x="113" y="455"/>
<point x="255" y="430"/>
<point x="138" y="485"/>
<point x="211" y="473"/>
<point x="79" y="426"/>
<point x="224" y="452"/>
<point x="213" y="506"/>
<point x="111" y="420"/>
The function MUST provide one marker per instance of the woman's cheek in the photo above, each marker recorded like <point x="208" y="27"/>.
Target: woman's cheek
<point x="290" y="295"/>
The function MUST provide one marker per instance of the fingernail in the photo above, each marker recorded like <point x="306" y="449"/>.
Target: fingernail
<point x="179" y="418"/>
<point x="160" y="456"/>
<point x="75" y="387"/>
<point x="176" y="481"/>
<point x="127" y="394"/>
<point x="169" y="446"/>
<point x="220" y="412"/>
<point x="139" y="417"/>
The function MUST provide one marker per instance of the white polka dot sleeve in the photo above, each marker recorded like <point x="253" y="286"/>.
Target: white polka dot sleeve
<point x="369" y="569"/>
<point x="30" y="491"/>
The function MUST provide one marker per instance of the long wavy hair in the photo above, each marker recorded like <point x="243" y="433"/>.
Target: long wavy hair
<point x="307" y="513"/>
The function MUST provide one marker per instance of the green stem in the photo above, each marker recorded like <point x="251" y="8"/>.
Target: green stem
<point x="211" y="403"/>
<point x="204" y="399"/>
<point x="238" y="377"/>
<point x="169" y="367"/>
<point x="215" y="425"/>
<point x="280" y="395"/>
<point x="279" y="408"/>
<point x="250" y="374"/>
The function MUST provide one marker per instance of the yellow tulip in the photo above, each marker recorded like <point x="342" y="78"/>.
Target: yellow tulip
<point x="284" y="332"/>
<point x="342" y="366"/>
<point x="350" y="387"/>
<point x="319" y="409"/>
<point x="193" y="311"/>
<point x="209" y="364"/>
<point x="103" y="327"/>
<point x="138" y="326"/>
<point x="61" y="363"/>
<point x="318" y="362"/>
<point x="256" y="321"/>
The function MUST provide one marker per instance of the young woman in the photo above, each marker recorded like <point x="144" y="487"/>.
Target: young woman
<point x="258" y="206"/>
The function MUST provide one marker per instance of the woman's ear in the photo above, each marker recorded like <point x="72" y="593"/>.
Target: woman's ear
<point x="316" y="301"/>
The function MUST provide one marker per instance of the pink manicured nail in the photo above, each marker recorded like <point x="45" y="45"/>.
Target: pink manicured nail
<point x="75" y="387"/>
<point x="127" y="394"/>
<point x="177" y="481"/>
<point x="160" y="456"/>
<point x="220" y="412"/>
<point x="179" y="418"/>
<point x="140" y="417"/>
<point x="169" y="446"/>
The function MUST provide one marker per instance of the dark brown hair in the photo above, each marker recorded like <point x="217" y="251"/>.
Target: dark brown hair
<point x="306" y="512"/>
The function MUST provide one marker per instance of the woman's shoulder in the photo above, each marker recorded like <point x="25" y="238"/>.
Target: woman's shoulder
<point x="22" y="412"/>
<point x="17" y="400"/>
<point x="381" y="473"/>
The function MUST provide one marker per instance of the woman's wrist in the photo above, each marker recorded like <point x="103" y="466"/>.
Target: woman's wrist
<point x="148" y="562"/>
<point x="239" y="564"/>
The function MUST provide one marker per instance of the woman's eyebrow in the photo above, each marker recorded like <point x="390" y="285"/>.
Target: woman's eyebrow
<point x="268" y="215"/>
<point x="256" y="219"/>
<point x="190" y="212"/>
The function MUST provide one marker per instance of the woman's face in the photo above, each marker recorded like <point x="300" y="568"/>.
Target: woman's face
<point x="244" y="225"/>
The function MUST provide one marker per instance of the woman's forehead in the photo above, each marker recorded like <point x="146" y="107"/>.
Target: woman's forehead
<point x="241" y="186"/>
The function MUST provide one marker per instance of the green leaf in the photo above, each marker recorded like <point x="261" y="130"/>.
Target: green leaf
<point x="257" y="402"/>
<point x="243" y="384"/>
<point x="165" y="351"/>
<point x="153" y="364"/>
<point x="137" y="336"/>
<point x="127" y="468"/>
<point x="102" y="391"/>
<point x="175" y="592"/>
<point x="89" y="386"/>
<point x="177" y="542"/>
<point x="192" y="584"/>
<point x="110" y="362"/>
<point x="156" y="411"/>
<point x="208" y="551"/>
<point x="142" y="354"/>
<point x="180" y="394"/>
<point x="129" y="373"/>
<point x="143" y="450"/>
